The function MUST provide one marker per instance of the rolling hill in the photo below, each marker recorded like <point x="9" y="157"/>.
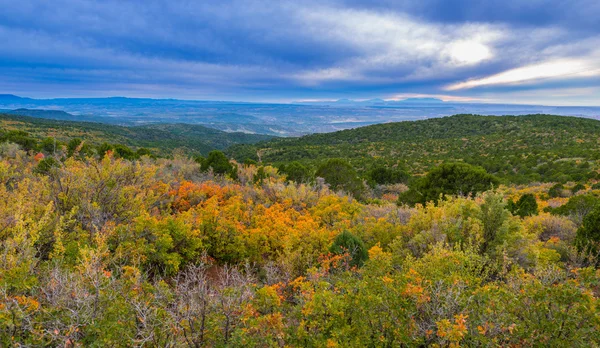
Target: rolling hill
<point x="159" y="138"/>
<point x="516" y="148"/>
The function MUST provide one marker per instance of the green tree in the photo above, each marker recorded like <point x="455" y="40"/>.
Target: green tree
<point x="103" y="149"/>
<point x="577" y="188"/>
<point x="296" y="171"/>
<point x="346" y="242"/>
<point x="124" y="152"/>
<point x="449" y="179"/>
<point x="588" y="235"/>
<point x="556" y="191"/>
<point x="49" y="145"/>
<point x="577" y="207"/>
<point x="340" y="175"/>
<point x="46" y="164"/>
<point x="525" y="206"/>
<point x="218" y="162"/>
<point x="260" y="175"/>
<point x="493" y="216"/>
<point x="384" y="175"/>
<point x="142" y="151"/>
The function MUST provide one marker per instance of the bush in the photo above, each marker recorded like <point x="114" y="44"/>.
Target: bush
<point x="296" y="171"/>
<point x="218" y="162"/>
<point x="384" y="175"/>
<point x="577" y="207"/>
<point x="124" y="152"/>
<point x="46" y="164"/>
<point x="103" y="149"/>
<point x="588" y="235"/>
<point x="449" y="179"/>
<point x="346" y="242"/>
<point x="340" y="175"/>
<point x="577" y="188"/>
<point x="525" y="206"/>
<point x="556" y="191"/>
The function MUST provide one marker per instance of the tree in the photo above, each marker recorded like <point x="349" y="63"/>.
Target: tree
<point x="577" y="207"/>
<point x="49" y="145"/>
<point x="556" y="191"/>
<point x="104" y="148"/>
<point x="73" y="145"/>
<point x="383" y="175"/>
<point x="588" y="235"/>
<point x="525" y="206"/>
<point x="218" y="162"/>
<point x="578" y="188"/>
<point x="493" y="215"/>
<point x="296" y="171"/>
<point x="46" y="164"/>
<point x="346" y="242"/>
<point x="449" y="179"/>
<point x="142" y="151"/>
<point x="340" y="175"/>
<point x="124" y="152"/>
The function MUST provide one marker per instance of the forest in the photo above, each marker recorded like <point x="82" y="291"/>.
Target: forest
<point x="460" y="231"/>
<point x="517" y="149"/>
<point x="160" y="139"/>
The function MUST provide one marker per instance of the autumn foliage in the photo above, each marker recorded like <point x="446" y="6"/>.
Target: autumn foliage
<point x="157" y="252"/>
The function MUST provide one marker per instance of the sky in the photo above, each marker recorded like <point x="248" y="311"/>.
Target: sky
<point x="495" y="51"/>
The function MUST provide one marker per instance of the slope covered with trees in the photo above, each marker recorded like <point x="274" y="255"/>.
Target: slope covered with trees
<point x="161" y="139"/>
<point x="517" y="149"/>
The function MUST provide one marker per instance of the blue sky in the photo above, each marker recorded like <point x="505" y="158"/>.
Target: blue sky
<point x="534" y="51"/>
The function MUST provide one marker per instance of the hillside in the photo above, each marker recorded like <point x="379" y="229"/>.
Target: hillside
<point x="516" y="148"/>
<point x="159" y="252"/>
<point x="160" y="138"/>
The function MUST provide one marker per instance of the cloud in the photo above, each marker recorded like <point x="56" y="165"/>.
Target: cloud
<point x="261" y="49"/>
<point x="537" y="72"/>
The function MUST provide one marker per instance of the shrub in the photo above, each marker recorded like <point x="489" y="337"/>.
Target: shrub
<point x="218" y="162"/>
<point x="296" y="171"/>
<point x="449" y="179"/>
<point x="525" y="206"/>
<point x="556" y="191"/>
<point x="346" y="242"/>
<point x="384" y="175"/>
<point x="577" y="188"/>
<point x="340" y="175"/>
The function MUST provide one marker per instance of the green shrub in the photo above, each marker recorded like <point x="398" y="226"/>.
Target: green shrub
<point x="346" y="242"/>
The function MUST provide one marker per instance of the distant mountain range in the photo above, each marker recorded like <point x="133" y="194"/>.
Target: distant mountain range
<point x="293" y="119"/>
<point x="377" y="102"/>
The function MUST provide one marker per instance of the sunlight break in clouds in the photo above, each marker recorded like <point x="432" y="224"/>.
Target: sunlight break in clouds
<point x="469" y="52"/>
<point x="394" y="43"/>
<point x="554" y="69"/>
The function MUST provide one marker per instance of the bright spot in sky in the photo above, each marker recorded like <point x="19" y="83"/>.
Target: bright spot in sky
<point x="561" y="68"/>
<point x="469" y="52"/>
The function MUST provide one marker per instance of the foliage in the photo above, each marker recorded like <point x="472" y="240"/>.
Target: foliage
<point x="557" y="190"/>
<point x="516" y="149"/>
<point x="32" y="133"/>
<point x="347" y="243"/>
<point x="340" y="175"/>
<point x="383" y="175"/>
<point x="109" y="249"/>
<point x="449" y="179"/>
<point x="525" y="206"/>
<point x="296" y="171"/>
<point x="577" y="207"/>
<point x="588" y="235"/>
<point x="218" y="162"/>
